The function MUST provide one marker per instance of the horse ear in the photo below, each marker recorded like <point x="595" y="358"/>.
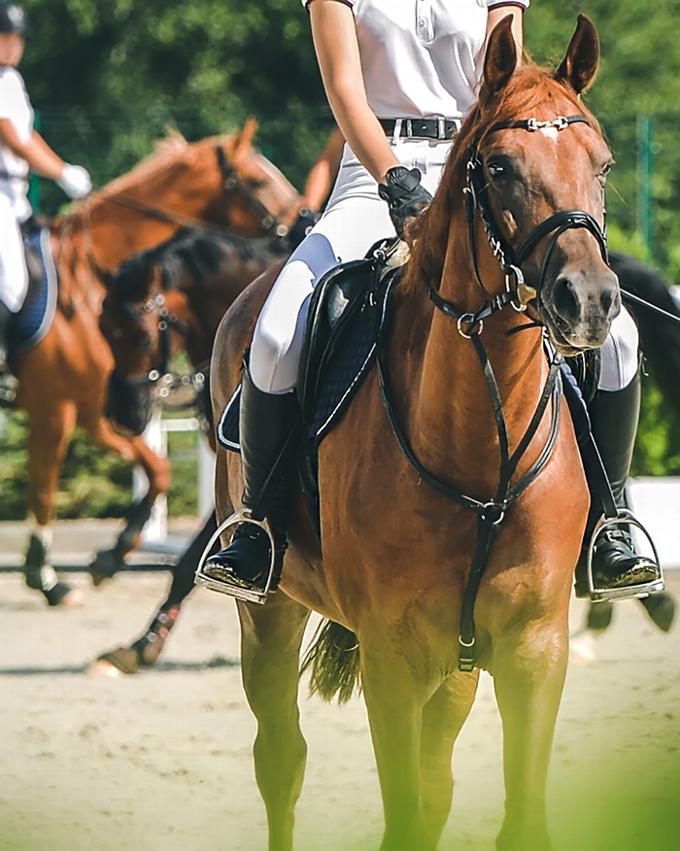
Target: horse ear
<point x="581" y="61"/>
<point x="245" y="138"/>
<point x="500" y="60"/>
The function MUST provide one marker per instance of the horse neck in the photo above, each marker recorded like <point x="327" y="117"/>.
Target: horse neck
<point x="452" y="424"/>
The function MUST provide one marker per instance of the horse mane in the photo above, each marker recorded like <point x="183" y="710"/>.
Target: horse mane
<point x="194" y="251"/>
<point x="162" y="158"/>
<point x="530" y="89"/>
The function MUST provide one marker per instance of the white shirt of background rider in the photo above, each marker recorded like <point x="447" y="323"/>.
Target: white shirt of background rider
<point x="422" y="57"/>
<point x="15" y="106"/>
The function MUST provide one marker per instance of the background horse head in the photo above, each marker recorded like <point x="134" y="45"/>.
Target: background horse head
<point x="63" y="381"/>
<point x="173" y="297"/>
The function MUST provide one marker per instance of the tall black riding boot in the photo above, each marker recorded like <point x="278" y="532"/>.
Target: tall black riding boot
<point x="267" y="426"/>
<point x="614" y="417"/>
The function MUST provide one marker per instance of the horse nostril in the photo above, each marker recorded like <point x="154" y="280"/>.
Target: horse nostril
<point x="565" y="299"/>
<point x="606" y="300"/>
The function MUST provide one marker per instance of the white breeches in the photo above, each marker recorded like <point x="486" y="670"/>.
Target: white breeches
<point x="355" y="218"/>
<point x="13" y="274"/>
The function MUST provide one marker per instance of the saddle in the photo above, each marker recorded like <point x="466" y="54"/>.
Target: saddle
<point x="35" y="318"/>
<point x="347" y="317"/>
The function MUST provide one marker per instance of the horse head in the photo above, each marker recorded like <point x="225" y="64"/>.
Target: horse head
<point x="139" y="316"/>
<point x="257" y="198"/>
<point x="533" y="163"/>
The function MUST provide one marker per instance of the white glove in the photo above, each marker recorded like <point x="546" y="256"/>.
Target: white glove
<point x="75" y="181"/>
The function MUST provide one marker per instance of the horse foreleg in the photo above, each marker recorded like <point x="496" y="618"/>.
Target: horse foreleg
<point x="395" y="701"/>
<point x="50" y="431"/>
<point x="270" y="645"/>
<point x="157" y="470"/>
<point x="529" y="670"/>
<point x="443" y="717"/>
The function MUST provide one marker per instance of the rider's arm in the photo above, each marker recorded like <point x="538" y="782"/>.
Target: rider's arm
<point x="322" y="173"/>
<point x="497" y="13"/>
<point x="337" y="49"/>
<point x="36" y="152"/>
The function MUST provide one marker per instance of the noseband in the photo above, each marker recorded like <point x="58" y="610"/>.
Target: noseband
<point x="517" y="293"/>
<point x="232" y="182"/>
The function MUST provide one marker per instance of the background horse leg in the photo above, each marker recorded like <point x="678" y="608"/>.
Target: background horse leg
<point x="529" y="671"/>
<point x="157" y="470"/>
<point x="270" y="646"/>
<point x="443" y="717"/>
<point x="145" y="651"/>
<point x="50" y="429"/>
<point x="395" y="704"/>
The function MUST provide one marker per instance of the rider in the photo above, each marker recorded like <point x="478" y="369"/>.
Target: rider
<point x="399" y="78"/>
<point x="21" y="149"/>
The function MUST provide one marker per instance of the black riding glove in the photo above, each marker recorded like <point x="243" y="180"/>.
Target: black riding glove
<point x="300" y="229"/>
<point x="405" y="197"/>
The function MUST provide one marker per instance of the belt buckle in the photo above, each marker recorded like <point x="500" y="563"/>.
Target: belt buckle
<point x="409" y="127"/>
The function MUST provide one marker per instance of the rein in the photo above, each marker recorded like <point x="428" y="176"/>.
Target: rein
<point x="491" y="514"/>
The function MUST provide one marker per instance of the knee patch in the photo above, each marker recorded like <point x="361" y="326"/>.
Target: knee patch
<point x="620" y="354"/>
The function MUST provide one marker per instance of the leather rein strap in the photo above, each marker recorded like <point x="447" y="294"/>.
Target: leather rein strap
<point x="490" y="514"/>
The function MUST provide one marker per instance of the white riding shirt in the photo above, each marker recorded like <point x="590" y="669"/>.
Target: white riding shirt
<point x="15" y="106"/>
<point x="422" y="57"/>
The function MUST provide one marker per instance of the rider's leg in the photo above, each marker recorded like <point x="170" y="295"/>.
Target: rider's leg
<point x="614" y="413"/>
<point x="269" y="407"/>
<point x="354" y="220"/>
<point x="13" y="274"/>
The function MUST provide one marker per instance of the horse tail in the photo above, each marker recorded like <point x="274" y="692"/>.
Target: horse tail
<point x="333" y="659"/>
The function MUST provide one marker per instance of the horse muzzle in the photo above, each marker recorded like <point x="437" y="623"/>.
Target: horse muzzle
<point x="579" y="307"/>
<point x="129" y="403"/>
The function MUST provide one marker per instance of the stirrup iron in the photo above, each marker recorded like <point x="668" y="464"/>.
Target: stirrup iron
<point x="248" y="595"/>
<point x="625" y="517"/>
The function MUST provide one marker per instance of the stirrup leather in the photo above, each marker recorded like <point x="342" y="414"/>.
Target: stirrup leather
<point x="248" y="595"/>
<point x="642" y="589"/>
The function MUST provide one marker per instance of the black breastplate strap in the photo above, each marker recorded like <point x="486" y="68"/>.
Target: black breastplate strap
<point x="490" y="514"/>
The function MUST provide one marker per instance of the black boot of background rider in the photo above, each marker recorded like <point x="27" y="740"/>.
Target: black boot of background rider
<point x="5" y="316"/>
<point x="614" y="417"/>
<point x="267" y="426"/>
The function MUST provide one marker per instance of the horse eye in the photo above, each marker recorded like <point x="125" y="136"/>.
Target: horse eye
<point x="256" y="183"/>
<point x="605" y="171"/>
<point x="496" y="170"/>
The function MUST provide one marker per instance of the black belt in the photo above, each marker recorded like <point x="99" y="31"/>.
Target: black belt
<point x="421" y="128"/>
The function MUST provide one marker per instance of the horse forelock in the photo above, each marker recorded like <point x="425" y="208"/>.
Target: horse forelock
<point x="531" y="91"/>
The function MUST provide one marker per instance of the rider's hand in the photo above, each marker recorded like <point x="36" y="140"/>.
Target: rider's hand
<point x="405" y="197"/>
<point x="303" y="224"/>
<point x="75" y="181"/>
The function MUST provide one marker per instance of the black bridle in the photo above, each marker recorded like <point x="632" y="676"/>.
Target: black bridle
<point x="160" y="376"/>
<point x="232" y="182"/>
<point x="517" y="293"/>
<point x="491" y="513"/>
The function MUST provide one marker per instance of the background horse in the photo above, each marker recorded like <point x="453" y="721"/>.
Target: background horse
<point x="190" y="280"/>
<point x="63" y="381"/>
<point x="394" y="555"/>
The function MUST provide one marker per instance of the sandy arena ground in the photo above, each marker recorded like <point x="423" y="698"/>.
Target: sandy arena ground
<point x="161" y="761"/>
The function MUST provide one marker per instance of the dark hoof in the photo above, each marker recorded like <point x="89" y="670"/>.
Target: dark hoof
<point x="661" y="609"/>
<point x="63" y="596"/>
<point x="104" y="566"/>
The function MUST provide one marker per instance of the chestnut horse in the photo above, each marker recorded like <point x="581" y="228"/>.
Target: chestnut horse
<point x="170" y="298"/>
<point x="394" y="557"/>
<point x="63" y="381"/>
